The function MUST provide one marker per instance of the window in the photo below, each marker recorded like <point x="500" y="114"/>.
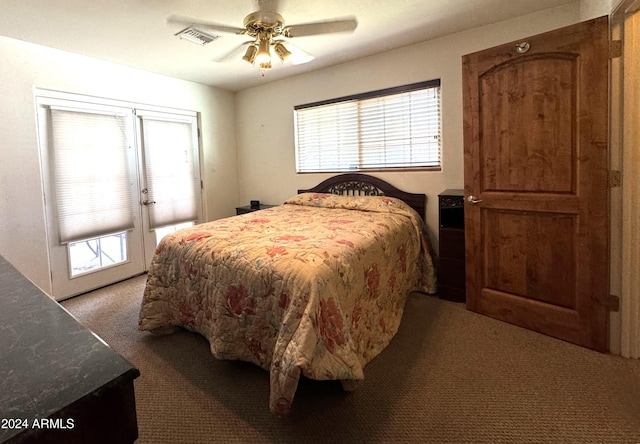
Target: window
<point x="90" y="151"/>
<point x="386" y="129"/>
<point x="98" y="253"/>
<point x="171" y="168"/>
<point x="163" y="231"/>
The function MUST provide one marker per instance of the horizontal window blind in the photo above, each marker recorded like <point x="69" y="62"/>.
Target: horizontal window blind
<point x="392" y="129"/>
<point x="171" y="171"/>
<point x="327" y="137"/>
<point x="91" y="173"/>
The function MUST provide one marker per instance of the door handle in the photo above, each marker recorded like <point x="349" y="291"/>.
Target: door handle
<point x="146" y="201"/>
<point x="474" y="200"/>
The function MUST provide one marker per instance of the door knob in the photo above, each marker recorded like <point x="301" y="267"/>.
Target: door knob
<point x="148" y="202"/>
<point x="474" y="200"/>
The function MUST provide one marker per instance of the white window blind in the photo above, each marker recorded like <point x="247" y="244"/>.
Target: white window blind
<point x="395" y="128"/>
<point x="92" y="183"/>
<point x="171" y="170"/>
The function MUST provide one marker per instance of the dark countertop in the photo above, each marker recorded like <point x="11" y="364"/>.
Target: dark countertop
<point x="48" y="360"/>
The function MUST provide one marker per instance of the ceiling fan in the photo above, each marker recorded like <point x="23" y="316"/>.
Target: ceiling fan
<point x="267" y="30"/>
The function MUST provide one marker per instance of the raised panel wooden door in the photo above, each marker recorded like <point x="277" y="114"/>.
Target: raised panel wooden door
<point x="535" y="153"/>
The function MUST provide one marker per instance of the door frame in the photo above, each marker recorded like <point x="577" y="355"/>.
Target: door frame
<point x="625" y="210"/>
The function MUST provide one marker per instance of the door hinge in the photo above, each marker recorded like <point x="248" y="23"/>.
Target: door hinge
<point x="615" y="179"/>
<point x="615" y="49"/>
<point x="614" y="303"/>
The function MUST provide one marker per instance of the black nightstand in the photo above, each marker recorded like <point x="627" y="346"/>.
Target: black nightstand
<point x="250" y="209"/>
<point x="451" y="267"/>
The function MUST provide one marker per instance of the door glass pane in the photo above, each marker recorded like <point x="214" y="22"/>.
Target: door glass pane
<point x="92" y="172"/>
<point x="171" y="169"/>
<point x="97" y="253"/>
<point x="163" y="231"/>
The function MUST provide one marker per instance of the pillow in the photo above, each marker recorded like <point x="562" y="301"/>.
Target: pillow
<point x="379" y="204"/>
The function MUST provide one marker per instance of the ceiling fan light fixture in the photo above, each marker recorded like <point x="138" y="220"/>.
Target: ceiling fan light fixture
<point x="263" y="56"/>
<point x="265" y="27"/>
<point x="282" y="52"/>
<point x="250" y="56"/>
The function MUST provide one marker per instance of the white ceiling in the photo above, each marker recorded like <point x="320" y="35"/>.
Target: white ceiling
<point x="136" y="33"/>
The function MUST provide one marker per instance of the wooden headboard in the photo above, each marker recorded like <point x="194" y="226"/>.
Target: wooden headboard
<point x="358" y="184"/>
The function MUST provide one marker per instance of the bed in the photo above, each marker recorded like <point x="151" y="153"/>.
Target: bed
<point x="313" y="287"/>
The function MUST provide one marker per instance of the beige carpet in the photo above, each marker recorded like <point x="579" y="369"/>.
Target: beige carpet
<point x="449" y="376"/>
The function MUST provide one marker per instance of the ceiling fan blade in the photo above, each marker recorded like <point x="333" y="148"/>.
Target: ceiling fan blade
<point x="301" y="57"/>
<point x="204" y="25"/>
<point x="327" y="27"/>
<point x="298" y="55"/>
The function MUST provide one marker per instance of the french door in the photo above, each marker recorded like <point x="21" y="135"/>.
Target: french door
<point x="116" y="178"/>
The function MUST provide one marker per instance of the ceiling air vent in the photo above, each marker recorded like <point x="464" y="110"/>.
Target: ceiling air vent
<point x="196" y="36"/>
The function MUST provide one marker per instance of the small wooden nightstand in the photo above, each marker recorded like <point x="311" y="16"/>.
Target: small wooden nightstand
<point x="451" y="269"/>
<point x="249" y="209"/>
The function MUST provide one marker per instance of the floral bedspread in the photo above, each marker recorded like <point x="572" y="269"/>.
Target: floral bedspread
<point x="316" y="286"/>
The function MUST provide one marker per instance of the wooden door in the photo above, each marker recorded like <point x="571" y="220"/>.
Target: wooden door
<point x="536" y="183"/>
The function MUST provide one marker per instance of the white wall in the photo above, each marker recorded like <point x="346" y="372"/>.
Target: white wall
<point x="264" y="118"/>
<point x="596" y="8"/>
<point x="26" y="66"/>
